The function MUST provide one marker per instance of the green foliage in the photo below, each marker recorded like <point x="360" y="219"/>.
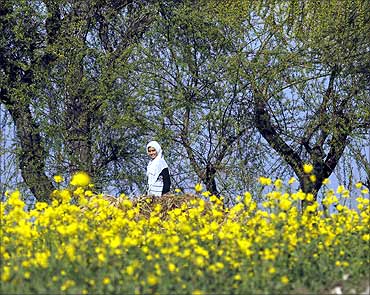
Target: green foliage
<point x="231" y="89"/>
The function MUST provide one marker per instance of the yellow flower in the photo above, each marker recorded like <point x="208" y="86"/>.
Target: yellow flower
<point x="198" y="187"/>
<point x="41" y="259"/>
<point x="79" y="191"/>
<point x="265" y="180"/>
<point x="197" y="292"/>
<point x="80" y="179"/>
<point x="206" y="194"/>
<point x="326" y="181"/>
<point x="307" y="168"/>
<point x="101" y="257"/>
<point x="88" y="193"/>
<point x="152" y="280"/>
<point x="358" y="185"/>
<point x="15" y="199"/>
<point x="177" y="190"/>
<point x="5" y="274"/>
<point x="58" y="178"/>
<point x="70" y="250"/>
<point x="127" y="203"/>
<point x="291" y="180"/>
<point x="106" y="281"/>
<point x="41" y="205"/>
<point x="284" y="280"/>
<point x="278" y="183"/>
<point x="345" y="194"/>
<point x="313" y="178"/>
<point x="171" y="267"/>
<point x="339" y="207"/>
<point x="272" y="270"/>
<point x="27" y="275"/>
<point x="26" y="263"/>
<point x="130" y="270"/>
<point x="309" y="197"/>
<point x="65" y="195"/>
<point x="199" y="261"/>
<point x="247" y="198"/>
<point x="115" y="242"/>
<point x="340" y="189"/>
<point x="67" y="284"/>
<point x="285" y="204"/>
<point x="213" y="198"/>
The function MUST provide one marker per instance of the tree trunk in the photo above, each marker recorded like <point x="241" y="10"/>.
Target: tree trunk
<point x="324" y="164"/>
<point x="78" y="138"/>
<point x="32" y="153"/>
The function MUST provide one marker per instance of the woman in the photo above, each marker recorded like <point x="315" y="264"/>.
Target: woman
<point x="159" y="181"/>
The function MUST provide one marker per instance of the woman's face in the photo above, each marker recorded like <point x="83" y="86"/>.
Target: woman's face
<point x="152" y="152"/>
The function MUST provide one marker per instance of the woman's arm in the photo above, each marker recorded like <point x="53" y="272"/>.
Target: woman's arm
<point x="166" y="180"/>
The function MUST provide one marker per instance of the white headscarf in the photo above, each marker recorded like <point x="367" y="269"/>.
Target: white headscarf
<point x="155" y="165"/>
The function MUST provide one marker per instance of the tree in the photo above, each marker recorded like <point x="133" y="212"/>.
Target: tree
<point x="308" y="81"/>
<point x="228" y="87"/>
<point x="16" y="89"/>
<point x="192" y="103"/>
<point x="57" y="61"/>
<point x="302" y="76"/>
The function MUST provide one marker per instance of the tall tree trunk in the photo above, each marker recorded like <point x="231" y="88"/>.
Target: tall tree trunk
<point x="32" y="153"/>
<point x="324" y="164"/>
<point x="78" y="138"/>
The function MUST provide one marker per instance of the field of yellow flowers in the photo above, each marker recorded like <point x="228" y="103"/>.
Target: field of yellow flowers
<point x="82" y="243"/>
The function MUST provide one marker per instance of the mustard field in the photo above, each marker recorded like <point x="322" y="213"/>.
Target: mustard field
<point x="86" y="243"/>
